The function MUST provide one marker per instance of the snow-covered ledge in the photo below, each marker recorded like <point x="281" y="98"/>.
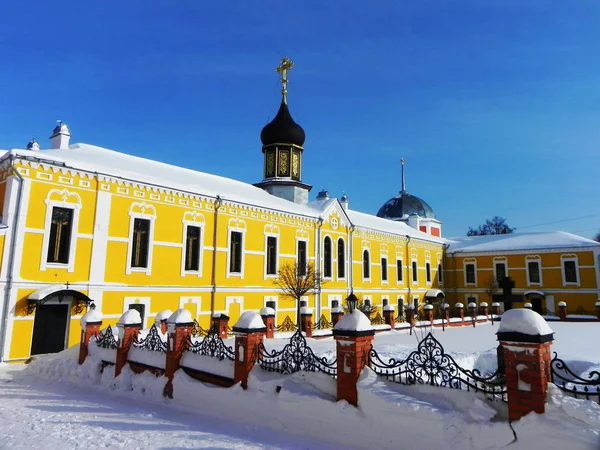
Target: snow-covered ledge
<point x="524" y="325"/>
<point x="249" y="322"/>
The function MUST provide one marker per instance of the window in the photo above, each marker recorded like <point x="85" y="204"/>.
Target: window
<point x="327" y="257"/>
<point x="470" y="273"/>
<point x="500" y="271"/>
<point x="366" y="265"/>
<point x="570" y="269"/>
<point x="533" y="267"/>
<point x="367" y="302"/>
<point x="440" y="273"/>
<point x="428" y="271"/>
<point x="59" y="244"/>
<point x="271" y="304"/>
<point x="235" y="252"/>
<point x="335" y="303"/>
<point x="341" y="258"/>
<point x="192" y="248"/>
<point x="415" y="274"/>
<point x="399" y="270"/>
<point x="385" y="301"/>
<point x="400" y="307"/>
<point x="301" y="258"/>
<point x="384" y="269"/>
<point x="271" y="255"/>
<point x="140" y="244"/>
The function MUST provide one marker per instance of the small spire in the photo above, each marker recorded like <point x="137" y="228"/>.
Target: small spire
<point x="403" y="182"/>
<point x="286" y="64"/>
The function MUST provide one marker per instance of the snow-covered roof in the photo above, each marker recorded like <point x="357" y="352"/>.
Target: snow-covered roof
<point x="518" y="241"/>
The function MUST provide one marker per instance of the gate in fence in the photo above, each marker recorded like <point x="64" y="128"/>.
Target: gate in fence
<point x="294" y="357"/>
<point x="566" y="380"/>
<point x="430" y="365"/>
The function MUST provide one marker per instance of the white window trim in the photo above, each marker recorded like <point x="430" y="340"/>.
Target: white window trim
<point x="401" y="273"/>
<point x="191" y="300"/>
<point x="575" y="259"/>
<point x="50" y="205"/>
<point x="440" y="271"/>
<point x="416" y="301"/>
<point x="344" y="262"/>
<point x="240" y="227"/>
<point x="265" y="274"/>
<point x="387" y="269"/>
<point x="362" y="258"/>
<point x="138" y="301"/>
<point x="201" y="225"/>
<point x="503" y="262"/>
<point x="305" y="240"/>
<point x="472" y="262"/>
<point x="539" y="261"/>
<point x="428" y="278"/>
<point x="152" y="218"/>
<point x="413" y="272"/>
<point x="323" y="257"/>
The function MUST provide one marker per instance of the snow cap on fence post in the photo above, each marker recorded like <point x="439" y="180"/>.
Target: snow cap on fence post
<point x="306" y="320"/>
<point x="179" y="327"/>
<point x="336" y="314"/>
<point x="562" y="310"/>
<point x="90" y="326"/>
<point x="526" y="338"/>
<point x="388" y="315"/>
<point x="220" y="323"/>
<point x="161" y="320"/>
<point x="353" y="335"/>
<point x="459" y="310"/>
<point x="129" y="325"/>
<point x="268" y="317"/>
<point x="249" y="331"/>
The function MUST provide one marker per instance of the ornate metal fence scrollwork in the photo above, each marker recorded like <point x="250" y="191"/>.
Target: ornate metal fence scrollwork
<point x="197" y="330"/>
<point x="287" y="325"/>
<point x="429" y="364"/>
<point x="322" y="324"/>
<point x="378" y="320"/>
<point x="107" y="339"/>
<point x="566" y="380"/>
<point x="294" y="357"/>
<point x="152" y="341"/>
<point x="211" y="345"/>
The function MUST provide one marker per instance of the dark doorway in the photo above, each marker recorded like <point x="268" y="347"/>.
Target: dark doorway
<point x="49" y="329"/>
<point x="536" y="304"/>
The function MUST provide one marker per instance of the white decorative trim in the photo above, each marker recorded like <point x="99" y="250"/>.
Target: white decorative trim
<point x="473" y="262"/>
<point x="239" y="226"/>
<point x="362" y="257"/>
<point x="322" y="243"/>
<point x="141" y="210"/>
<point x="194" y="219"/>
<point x="497" y="261"/>
<point x="387" y="271"/>
<point x="270" y="230"/>
<point x="187" y="300"/>
<point x="414" y="270"/>
<point x="570" y="257"/>
<point x="344" y="260"/>
<point x="538" y="259"/>
<point x="99" y="244"/>
<point x="68" y="200"/>
<point x="138" y="301"/>
<point x="400" y="274"/>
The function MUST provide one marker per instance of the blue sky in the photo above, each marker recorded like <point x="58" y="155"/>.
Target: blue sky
<point x="495" y="104"/>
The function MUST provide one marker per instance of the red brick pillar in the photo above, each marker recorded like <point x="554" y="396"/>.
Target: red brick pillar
<point x="496" y="309"/>
<point x="220" y="322"/>
<point x="161" y="320"/>
<point x="268" y="317"/>
<point x="562" y="310"/>
<point x="388" y="315"/>
<point x="598" y="310"/>
<point x="483" y="309"/>
<point x="527" y="359"/>
<point x="249" y="332"/>
<point x="353" y="345"/>
<point x="306" y="320"/>
<point x="472" y="310"/>
<point x="90" y="326"/>
<point x="180" y="327"/>
<point x="428" y="310"/>
<point x="129" y="326"/>
<point x="459" y="310"/>
<point x="336" y="315"/>
<point x="446" y="312"/>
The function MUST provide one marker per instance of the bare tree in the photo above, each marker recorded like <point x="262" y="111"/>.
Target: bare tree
<point x="497" y="225"/>
<point x="491" y="286"/>
<point x="297" y="281"/>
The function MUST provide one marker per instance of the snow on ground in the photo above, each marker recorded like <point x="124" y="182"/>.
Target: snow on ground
<point x="55" y="402"/>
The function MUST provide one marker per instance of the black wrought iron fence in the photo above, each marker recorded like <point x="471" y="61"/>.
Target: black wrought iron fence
<point x="296" y="356"/>
<point x="153" y="341"/>
<point x="322" y="324"/>
<point x="429" y="364"/>
<point x="198" y="331"/>
<point x="378" y="320"/>
<point x="568" y="381"/>
<point x="287" y="325"/>
<point x="212" y="345"/>
<point x="107" y="339"/>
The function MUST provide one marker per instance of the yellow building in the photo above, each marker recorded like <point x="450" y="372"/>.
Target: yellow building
<point x="82" y="223"/>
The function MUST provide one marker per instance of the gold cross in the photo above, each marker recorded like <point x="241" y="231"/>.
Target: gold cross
<point x="286" y="64"/>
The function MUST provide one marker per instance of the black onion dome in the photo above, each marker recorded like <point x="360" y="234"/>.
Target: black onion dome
<point x="404" y="205"/>
<point x="282" y="129"/>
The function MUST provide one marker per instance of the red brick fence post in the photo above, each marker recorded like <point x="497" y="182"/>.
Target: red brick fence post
<point x="129" y="325"/>
<point x="353" y="335"/>
<point x="428" y="310"/>
<point x="220" y="322"/>
<point x="496" y="309"/>
<point x="179" y="328"/>
<point x="388" y="315"/>
<point x="90" y="326"/>
<point x="336" y="314"/>
<point x="526" y="338"/>
<point x="306" y="320"/>
<point x="483" y="309"/>
<point x="459" y="311"/>
<point x="268" y="317"/>
<point x="249" y="331"/>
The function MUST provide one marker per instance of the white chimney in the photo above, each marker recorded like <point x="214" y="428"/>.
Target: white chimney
<point x="60" y="136"/>
<point x="414" y="221"/>
<point x="33" y="145"/>
<point x="344" y="202"/>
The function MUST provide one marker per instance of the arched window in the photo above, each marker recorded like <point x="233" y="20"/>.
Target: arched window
<point x="327" y="257"/>
<point x="366" y="265"/>
<point x="341" y="258"/>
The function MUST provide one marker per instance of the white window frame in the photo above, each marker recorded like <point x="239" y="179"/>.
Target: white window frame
<point x="387" y="268"/>
<point x="239" y="226"/>
<point x="305" y="240"/>
<point x="338" y="261"/>
<point x="414" y="271"/>
<point x="498" y="262"/>
<point x="401" y="272"/>
<point x="537" y="259"/>
<point x="428" y="276"/>
<point x="473" y="262"/>
<point x="362" y="265"/>
<point x="194" y="220"/>
<point x="69" y="200"/>
<point x="575" y="259"/>
<point x="134" y="213"/>
<point x="271" y="231"/>
<point x="440" y="271"/>
<point x="138" y="301"/>
<point x="330" y="277"/>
